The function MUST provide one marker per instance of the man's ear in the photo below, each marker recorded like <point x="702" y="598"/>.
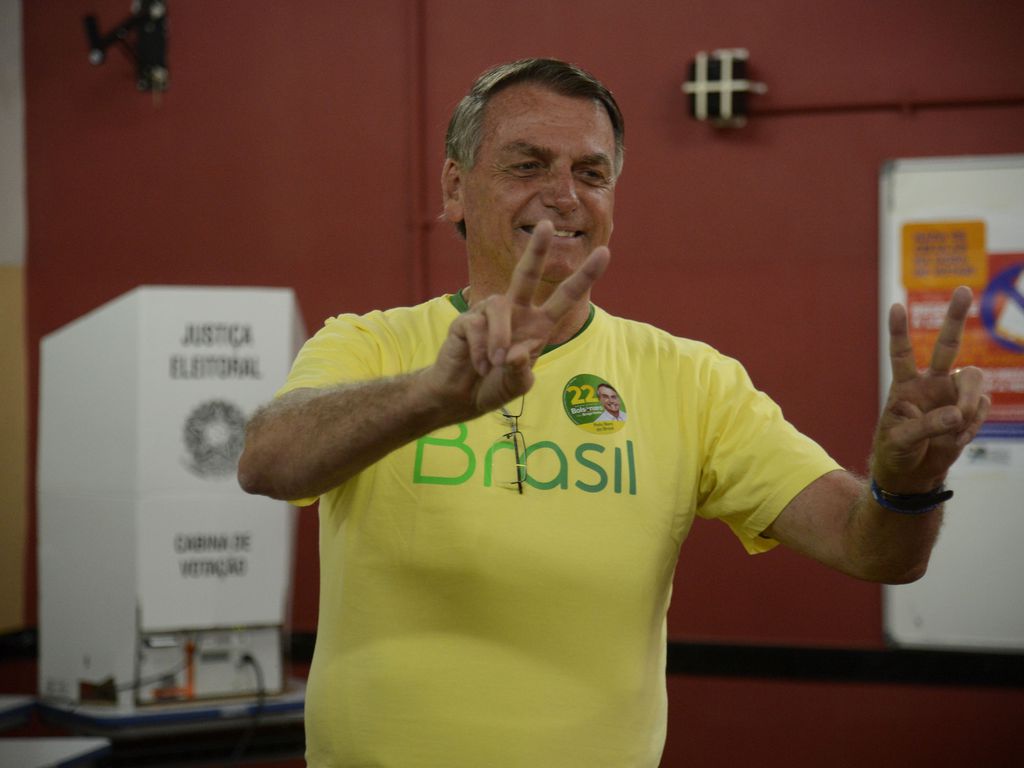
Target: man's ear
<point x="451" y="191"/>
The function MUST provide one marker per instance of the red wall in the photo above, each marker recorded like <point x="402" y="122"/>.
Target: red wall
<point x="301" y="144"/>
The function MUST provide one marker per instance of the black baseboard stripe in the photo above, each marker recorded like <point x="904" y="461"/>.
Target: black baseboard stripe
<point x="894" y="666"/>
<point x="840" y="665"/>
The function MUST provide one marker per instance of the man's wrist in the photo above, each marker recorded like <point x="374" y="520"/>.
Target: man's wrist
<point x="434" y="406"/>
<point x="910" y="503"/>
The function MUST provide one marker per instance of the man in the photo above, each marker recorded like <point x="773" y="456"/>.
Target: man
<point x="465" y="624"/>
<point x="611" y="403"/>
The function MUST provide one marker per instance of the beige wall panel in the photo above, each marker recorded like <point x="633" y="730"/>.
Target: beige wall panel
<point x="12" y="449"/>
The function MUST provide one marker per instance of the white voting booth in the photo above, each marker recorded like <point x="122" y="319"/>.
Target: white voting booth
<point x="159" y="578"/>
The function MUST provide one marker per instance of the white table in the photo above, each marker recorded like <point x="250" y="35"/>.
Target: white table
<point x="165" y="719"/>
<point x="15" y="710"/>
<point x="52" y="752"/>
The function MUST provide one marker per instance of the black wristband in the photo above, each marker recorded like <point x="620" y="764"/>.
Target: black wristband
<point x="910" y="504"/>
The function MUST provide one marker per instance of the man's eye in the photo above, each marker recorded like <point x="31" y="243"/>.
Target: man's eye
<point x="526" y="167"/>
<point x="593" y="176"/>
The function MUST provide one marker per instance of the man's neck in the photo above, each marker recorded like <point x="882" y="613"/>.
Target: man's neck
<point x="570" y="324"/>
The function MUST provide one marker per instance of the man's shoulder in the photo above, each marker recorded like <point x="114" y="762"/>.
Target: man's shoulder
<point x="646" y="346"/>
<point x="638" y="332"/>
<point x="439" y="309"/>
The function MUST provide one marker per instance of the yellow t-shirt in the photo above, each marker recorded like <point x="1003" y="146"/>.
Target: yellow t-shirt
<point x="465" y="624"/>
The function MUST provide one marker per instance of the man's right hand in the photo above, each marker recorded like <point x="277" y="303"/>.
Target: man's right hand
<point x="487" y="359"/>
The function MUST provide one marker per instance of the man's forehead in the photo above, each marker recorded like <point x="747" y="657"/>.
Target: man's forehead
<point x="529" y="149"/>
<point x="516" y="117"/>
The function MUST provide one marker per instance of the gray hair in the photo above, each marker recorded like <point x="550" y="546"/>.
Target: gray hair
<point x="465" y="129"/>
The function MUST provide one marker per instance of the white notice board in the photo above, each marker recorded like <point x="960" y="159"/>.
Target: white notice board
<point x="946" y="222"/>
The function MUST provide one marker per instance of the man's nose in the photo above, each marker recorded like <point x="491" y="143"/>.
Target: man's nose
<point x="560" y="191"/>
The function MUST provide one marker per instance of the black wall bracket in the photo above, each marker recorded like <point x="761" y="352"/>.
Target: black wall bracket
<point x="717" y="87"/>
<point x="148" y="22"/>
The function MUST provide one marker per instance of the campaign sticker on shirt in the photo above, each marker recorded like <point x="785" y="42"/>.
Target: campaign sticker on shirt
<point x="593" y="404"/>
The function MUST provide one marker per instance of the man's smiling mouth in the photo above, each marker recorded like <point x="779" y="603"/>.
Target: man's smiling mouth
<point x="563" y="233"/>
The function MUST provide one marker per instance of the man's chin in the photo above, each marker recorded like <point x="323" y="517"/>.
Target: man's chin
<point x="563" y="258"/>
<point x="557" y="270"/>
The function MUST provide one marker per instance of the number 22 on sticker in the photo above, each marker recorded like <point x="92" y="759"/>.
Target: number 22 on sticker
<point x="582" y="394"/>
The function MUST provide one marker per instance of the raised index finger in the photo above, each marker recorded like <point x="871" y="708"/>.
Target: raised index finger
<point x="947" y="346"/>
<point x="901" y="353"/>
<point x="577" y="286"/>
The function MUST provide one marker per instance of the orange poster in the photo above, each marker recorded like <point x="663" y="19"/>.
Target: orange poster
<point x="936" y="258"/>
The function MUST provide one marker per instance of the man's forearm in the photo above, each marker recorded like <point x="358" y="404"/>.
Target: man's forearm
<point x="836" y="521"/>
<point x="888" y="546"/>
<point x="310" y="441"/>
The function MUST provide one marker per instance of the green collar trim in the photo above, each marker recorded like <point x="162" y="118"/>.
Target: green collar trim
<point x="459" y="302"/>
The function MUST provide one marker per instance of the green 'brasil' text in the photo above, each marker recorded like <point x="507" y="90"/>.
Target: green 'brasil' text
<point x="593" y="466"/>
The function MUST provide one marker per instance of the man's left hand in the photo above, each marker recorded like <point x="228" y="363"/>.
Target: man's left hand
<point x="930" y="415"/>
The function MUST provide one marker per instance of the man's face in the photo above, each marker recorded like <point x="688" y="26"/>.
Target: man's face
<point x="542" y="156"/>
<point x="609" y="399"/>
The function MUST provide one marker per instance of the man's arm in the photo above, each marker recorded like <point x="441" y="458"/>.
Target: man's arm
<point x="928" y="419"/>
<point x="835" y="521"/>
<point x="310" y="441"/>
